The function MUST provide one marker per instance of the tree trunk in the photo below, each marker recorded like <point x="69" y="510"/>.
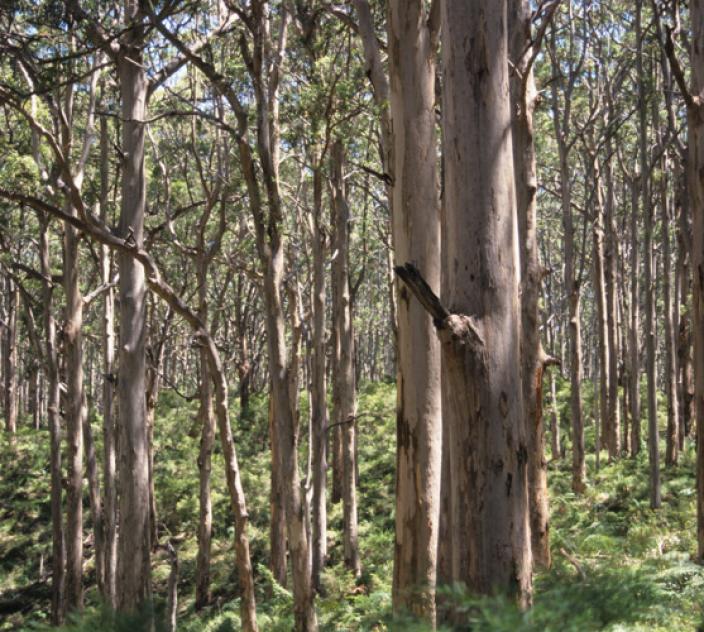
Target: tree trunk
<point x="10" y="356"/>
<point x="74" y="412"/>
<point x="696" y="175"/>
<point x="610" y="283"/>
<point x="277" y="523"/>
<point x="648" y="280"/>
<point x="109" y="378"/>
<point x="572" y="291"/>
<point x="58" y="553"/>
<point x="248" y="613"/>
<point x="319" y="410"/>
<point x="416" y="238"/>
<point x="523" y="98"/>
<point x="344" y="378"/>
<point x="134" y="547"/>
<point x="207" y="441"/>
<point x="96" y="507"/>
<point x="605" y="376"/>
<point x="480" y="336"/>
<point x="671" y="436"/>
<point x="634" y="356"/>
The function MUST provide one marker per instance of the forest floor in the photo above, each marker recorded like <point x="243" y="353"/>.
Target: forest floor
<point x="617" y="565"/>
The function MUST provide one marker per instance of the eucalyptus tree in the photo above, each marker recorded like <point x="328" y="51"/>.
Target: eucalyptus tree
<point x="480" y="327"/>
<point x="562" y="110"/>
<point x="412" y="34"/>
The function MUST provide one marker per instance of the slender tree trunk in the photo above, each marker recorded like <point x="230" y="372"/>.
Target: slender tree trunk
<point x="207" y="441"/>
<point x="109" y="378"/>
<point x="74" y="409"/>
<point x="10" y="356"/>
<point x="319" y="410"/>
<point x="634" y="356"/>
<point x="248" y="613"/>
<point x="344" y="384"/>
<point x="277" y="523"/>
<point x="572" y="292"/>
<point x="612" y="328"/>
<point x="416" y="238"/>
<point x="554" y="422"/>
<point x="648" y="280"/>
<point x="671" y="436"/>
<point x="480" y="332"/>
<point x="96" y="507"/>
<point x="600" y="295"/>
<point x="58" y="552"/>
<point x="696" y="188"/>
<point x="523" y="97"/>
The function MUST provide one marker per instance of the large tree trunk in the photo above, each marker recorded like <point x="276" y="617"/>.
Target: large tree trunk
<point x="523" y="97"/>
<point x="74" y="411"/>
<point x="133" y="560"/>
<point x="344" y="395"/>
<point x="416" y="237"/>
<point x="480" y="336"/>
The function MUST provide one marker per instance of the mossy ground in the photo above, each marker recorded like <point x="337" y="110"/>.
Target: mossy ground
<point x="617" y="564"/>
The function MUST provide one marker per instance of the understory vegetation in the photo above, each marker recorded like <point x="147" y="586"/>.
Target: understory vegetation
<point x="617" y="564"/>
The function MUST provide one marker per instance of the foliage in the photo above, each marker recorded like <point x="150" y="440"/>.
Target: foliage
<point x="618" y="565"/>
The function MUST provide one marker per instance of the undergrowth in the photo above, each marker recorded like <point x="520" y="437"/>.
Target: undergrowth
<point x="617" y="564"/>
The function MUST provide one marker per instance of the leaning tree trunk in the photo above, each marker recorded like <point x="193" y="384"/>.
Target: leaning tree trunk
<point x="523" y="99"/>
<point x="416" y="238"/>
<point x="480" y="330"/>
<point x="207" y="441"/>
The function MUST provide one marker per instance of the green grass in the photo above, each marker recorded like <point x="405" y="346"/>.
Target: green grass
<point x="617" y="565"/>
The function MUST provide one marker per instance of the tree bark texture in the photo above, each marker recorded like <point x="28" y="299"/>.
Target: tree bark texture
<point x="416" y="238"/>
<point x="480" y="337"/>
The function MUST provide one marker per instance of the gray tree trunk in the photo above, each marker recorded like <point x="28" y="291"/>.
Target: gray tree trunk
<point x="344" y="395"/>
<point x="133" y="581"/>
<point x="416" y="238"/>
<point x="480" y="337"/>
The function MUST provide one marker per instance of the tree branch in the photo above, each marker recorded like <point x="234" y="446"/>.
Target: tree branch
<point x="418" y="286"/>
